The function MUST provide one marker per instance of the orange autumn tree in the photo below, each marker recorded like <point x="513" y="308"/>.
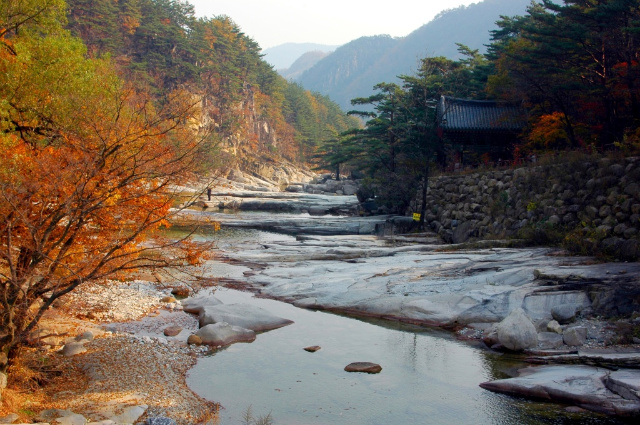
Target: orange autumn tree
<point x="88" y="168"/>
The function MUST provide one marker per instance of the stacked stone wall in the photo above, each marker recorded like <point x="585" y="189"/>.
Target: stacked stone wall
<point x="598" y="199"/>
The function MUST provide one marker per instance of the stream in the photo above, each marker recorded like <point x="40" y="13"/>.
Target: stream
<point x="428" y="376"/>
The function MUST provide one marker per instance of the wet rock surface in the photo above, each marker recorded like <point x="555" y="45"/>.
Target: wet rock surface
<point x="583" y="386"/>
<point x="363" y="367"/>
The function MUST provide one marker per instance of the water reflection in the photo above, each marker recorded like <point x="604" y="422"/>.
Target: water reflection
<point x="427" y="377"/>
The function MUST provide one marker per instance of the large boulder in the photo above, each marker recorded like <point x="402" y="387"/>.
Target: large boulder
<point x="221" y="334"/>
<point x="244" y="315"/>
<point x="516" y="332"/>
<point x="564" y="313"/>
<point x="197" y="303"/>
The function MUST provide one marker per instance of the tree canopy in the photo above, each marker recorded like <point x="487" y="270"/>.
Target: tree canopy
<point x="88" y="166"/>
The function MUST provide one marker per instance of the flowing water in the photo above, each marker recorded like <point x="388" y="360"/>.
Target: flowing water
<point x="428" y="377"/>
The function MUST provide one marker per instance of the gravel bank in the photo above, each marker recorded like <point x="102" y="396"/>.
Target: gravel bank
<point x="130" y="362"/>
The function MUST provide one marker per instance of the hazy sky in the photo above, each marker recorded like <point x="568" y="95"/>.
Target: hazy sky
<point x="333" y="22"/>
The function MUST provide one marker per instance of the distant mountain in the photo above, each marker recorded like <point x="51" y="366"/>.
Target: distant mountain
<point x="303" y="63"/>
<point x="353" y="69"/>
<point x="284" y="55"/>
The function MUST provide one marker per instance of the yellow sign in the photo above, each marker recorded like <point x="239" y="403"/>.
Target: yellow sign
<point x="416" y="216"/>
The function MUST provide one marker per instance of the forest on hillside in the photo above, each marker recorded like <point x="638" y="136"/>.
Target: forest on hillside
<point x="161" y="44"/>
<point x="572" y="68"/>
<point x="106" y="107"/>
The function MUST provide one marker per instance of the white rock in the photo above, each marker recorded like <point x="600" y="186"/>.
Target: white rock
<point x="130" y="414"/>
<point x="244" y="315"/>
<point x="196" y="303"/>
<point x="221" y="334"/>
<point x="516" y="332"/>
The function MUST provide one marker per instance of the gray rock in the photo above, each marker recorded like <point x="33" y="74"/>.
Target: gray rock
<point x="363" y="367"/>
<point x="575" y="336"/>
<point x="49" y="415"/>
<point x="73" y="348"/>
<point x="626" y="383"/>
<point x="85" y="336"/>
<point x="130" y="414"/>
<point x="516" y="332"/>
<point x="72" y="419"/>
<point x="462" y="232"/>
<point x="582" y="386"/>
<point x="564" y="313"/>
<point x="244" y="315"/>
<point x="549" y="340"/>
<point x="160" y="421"/>
<point x="221" y="334"/>
<point x="9" y="419"/>
<point x="196" y="304"/>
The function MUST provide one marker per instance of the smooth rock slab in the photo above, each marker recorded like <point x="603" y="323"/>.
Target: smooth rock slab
<point x="221" y="334"/>
<point x="582" y="386"/>
<point x="626" y="383"/>
<point x="243" y="315"/>
<point x="130" y="414"/>
<point x="364" y="367"/>
<point x="195" y="304"/>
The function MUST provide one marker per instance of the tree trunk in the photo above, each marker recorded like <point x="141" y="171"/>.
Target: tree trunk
<point x="423" y="204"/>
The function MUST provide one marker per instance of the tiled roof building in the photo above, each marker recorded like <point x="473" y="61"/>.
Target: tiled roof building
<point x="479" y="126"/>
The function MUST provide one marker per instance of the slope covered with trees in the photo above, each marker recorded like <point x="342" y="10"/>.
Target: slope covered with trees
<point x="105" y="108"/>
<point x="88" y="167"/>
<point x="573" y="66"/>
<point x="162" y="44"/>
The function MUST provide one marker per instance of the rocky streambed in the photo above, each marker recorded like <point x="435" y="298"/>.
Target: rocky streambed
<point x="571" y="306"/>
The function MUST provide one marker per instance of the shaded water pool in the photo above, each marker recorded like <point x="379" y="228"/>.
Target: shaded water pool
<point x="428" y="377"/>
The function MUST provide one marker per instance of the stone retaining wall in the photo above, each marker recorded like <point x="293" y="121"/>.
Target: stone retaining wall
<point x="595" y="199"/>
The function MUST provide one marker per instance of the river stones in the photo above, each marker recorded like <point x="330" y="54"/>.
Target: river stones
<point x="364" y="367"/>
<point x="194" y="340"/>
<point x="244" y="315"/>
<point x="172" y="330"/>
<point x="516" y="332"/>
<point x="221" y="334"/>
<point x="312" y="349"/>
<point x="160" y="420"/>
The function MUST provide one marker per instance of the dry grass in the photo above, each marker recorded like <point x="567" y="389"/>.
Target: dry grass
<point x="35" y="376"/>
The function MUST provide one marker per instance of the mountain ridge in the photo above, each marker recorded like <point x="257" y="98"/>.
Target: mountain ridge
<point x="400" y="56"/>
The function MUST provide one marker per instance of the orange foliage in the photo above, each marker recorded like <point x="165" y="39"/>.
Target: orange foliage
<point x="548" y="132"/>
